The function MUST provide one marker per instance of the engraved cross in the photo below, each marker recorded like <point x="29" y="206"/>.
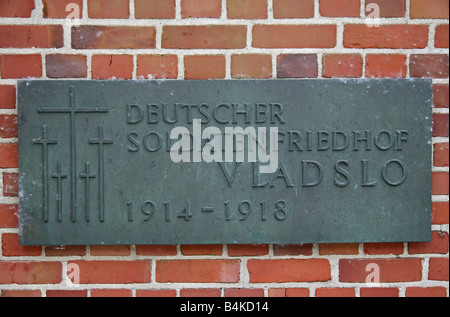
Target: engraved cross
<point x="45" y="141"/>
<point x="101" y="141"/>
<point x="59" y="176"/>
<point x="87" y="175"/>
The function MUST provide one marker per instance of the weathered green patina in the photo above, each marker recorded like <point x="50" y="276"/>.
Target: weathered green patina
<point x="96" y="167"/>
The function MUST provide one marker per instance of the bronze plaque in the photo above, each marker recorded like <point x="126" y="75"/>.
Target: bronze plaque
<point x="224" y="161"/>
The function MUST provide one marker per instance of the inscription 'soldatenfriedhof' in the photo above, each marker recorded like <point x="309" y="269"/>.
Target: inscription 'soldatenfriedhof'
<point x="224" y="161"/>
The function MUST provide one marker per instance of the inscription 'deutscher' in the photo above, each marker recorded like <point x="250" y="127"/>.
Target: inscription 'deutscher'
<point x="224" y="161"/>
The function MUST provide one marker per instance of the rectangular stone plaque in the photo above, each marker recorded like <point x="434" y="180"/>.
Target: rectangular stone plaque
<point x="224" y="161"/>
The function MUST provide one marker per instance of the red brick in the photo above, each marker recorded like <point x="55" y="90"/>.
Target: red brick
<point x="439" y="212"/>
<point x="378" y="292"/>
<point x="288" y="292"/>
<point x="438" y="244"/>
<point x="440" y="124"/>
<point x="66" y="66"/>
<point x="389" y="8"/>
<point x="294" y="36"/>
<point x="441" y="36"/>
<point x="429" y="65"/>
<point x="111" y="293"/>
<point x="9" y="216"/>
<point x="158" y="250"/>
<point x="297" y="66"/>
<point x="340" y="8"/>
<point x="204" y="67"/>
<point x="154" y="9"/>
<point x="7" y="96"/>
<point x="204" y="36"/>
<point x="247" y="249"/>
<point x="440" y="154"/>
<point x="385" y="36"/>
<point x="10" y="184"/>
<point x="426" y="9"/>
<point x="292" y="249"/>
<point x="21" y="66"/>
<point x="439" y="183"/>
<point x="112" y="66"/>
<point x="440" y="96"/>
<point x="426" y="292"/>
<point x="156" y="293"/>
<point x="201" y="249"/>
<point x="386" y="66"/>
<point x="391" y="270"/>
<point x="114" y="272"/>
<point x="20" y="293"/>
<point x="16" y="8"/>
<point x="113" y="37"/>
<point x="197" y="271"/>
<point x="241" y="292"/>
<point x="438" y="269"/>
<point x="157" y="66"/>
<point x="11" y="246"/>
<point x="56" y="9"/>
<point x="383" y="248"/>
<point x="110" y="250"/>
<point x="31" y="36"/>
<point x="9" y="155"/>
<point x="108" y="9"/>
<point x="200" y="292"/>
<point x="288" y="270"/>
<point x="66" y="293"/>
<point x="338" y="248"/>
<point x="335" y="292"/>
<point x="291" y="9"/>
<point x="8" y="126"/>
<point x="251" y="66"/>
<point x="201" y="8"/>
<point x="65" y="250"/>
<point x="342" y="65"/>
<point x="247" y="9"/>
<point x="23" y="272"/>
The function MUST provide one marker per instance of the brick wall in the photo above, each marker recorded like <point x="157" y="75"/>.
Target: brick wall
<point x="197" y="39"/>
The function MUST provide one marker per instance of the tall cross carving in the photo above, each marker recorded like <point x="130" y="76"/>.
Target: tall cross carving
<point x="45" y="141"/>
<point x="73" y="110"/>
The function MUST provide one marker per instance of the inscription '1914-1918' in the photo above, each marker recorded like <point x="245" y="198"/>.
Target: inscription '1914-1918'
<point x="253" y="161"/>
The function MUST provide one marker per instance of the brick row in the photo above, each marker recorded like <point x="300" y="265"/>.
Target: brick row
<point x="214" y="270"/>
<point x="223" y="36"/>
<point x="242" y="66"/>
<point x="438" y="245"/>
<point x="236" y="9"/>
<point x="232" y="292"/>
